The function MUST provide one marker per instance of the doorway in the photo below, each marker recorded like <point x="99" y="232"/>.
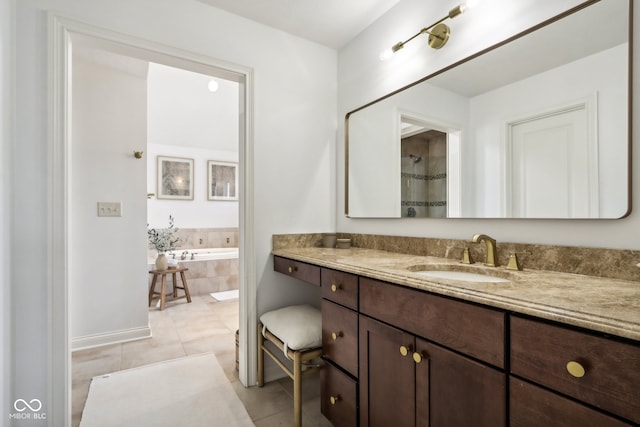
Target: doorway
<point x="65" y="33"/>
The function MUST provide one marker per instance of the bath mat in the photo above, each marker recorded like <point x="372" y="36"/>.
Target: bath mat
<point x="189" y="391"/>
<point x="225" y="295"/>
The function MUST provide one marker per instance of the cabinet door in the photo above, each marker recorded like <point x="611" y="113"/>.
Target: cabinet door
<point x="387" y="378"/>
<point x="453" y="390"/>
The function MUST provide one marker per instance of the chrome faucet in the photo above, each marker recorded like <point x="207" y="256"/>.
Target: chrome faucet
<point x="490" y="244"/>
<point x="184" y="255"/>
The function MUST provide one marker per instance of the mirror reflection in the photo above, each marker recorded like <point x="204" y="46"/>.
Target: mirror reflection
<point x="535" y="128"/>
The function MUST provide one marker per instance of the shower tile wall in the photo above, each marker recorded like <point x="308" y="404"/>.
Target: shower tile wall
<point x="424" y="175"/>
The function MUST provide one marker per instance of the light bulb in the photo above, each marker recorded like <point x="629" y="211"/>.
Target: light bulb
<point x="213" y="85"/>
<point x="386" y="54"/>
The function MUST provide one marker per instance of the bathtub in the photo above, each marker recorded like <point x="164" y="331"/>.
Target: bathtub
<point x="205" y="254"/>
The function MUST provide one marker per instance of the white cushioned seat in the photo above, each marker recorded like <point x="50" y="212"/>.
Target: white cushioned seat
<point x="298" y="326"/>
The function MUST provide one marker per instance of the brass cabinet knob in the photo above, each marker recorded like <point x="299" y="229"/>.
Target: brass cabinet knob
<point x="404" y="350"/>
<point x="292" y="269"/>
<point x="334" y="287"/>
<point x="334" y="399"/>
<point x="336" y="335"/>
<point x="576" y="369"/>
<point x="417" y="357"/>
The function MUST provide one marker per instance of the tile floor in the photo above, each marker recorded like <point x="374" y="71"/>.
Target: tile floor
<point x="182" y="329"/>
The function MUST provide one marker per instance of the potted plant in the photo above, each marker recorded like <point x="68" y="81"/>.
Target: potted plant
<point x="163" y="240"/>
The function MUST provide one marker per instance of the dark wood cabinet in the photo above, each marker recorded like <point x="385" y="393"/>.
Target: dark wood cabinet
<point x="608" y="370"/>
<point x="398" y="356"/>
<point x="408" y="381"/>
<point x="533" y="406"/>
<point x="387" y="378"/>
<point x="339" y="375"/>
<point x="339" y="402"/>
<point x="300" y="270"/>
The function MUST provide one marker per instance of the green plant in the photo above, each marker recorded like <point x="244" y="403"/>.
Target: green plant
<point x="164" y="239"/>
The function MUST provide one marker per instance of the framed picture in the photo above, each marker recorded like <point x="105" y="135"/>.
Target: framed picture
<point x="222" y="180"/>
<point x="175" y="178"/>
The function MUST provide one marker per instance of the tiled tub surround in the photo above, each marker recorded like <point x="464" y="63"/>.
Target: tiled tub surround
<point x="208" y="237"/>
<point x="608" y="305"/>
<point x="204" y="277"/>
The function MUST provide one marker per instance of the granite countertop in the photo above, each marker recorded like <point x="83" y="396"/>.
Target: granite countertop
<point x="606" y="305"/>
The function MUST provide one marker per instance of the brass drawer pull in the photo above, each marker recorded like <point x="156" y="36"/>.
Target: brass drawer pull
<point x="292" y="269"/>
<point x="336" y="335"/>
<point x="404" y="350"/>
<point x="334" y="399"/>
<point x="334" y="287"/>
<point x="417" y="357"/>
<point x="576" y="369"/>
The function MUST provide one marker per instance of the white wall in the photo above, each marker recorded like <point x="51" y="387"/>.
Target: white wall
<point x="6" y="114"/>
<point x="183" y="112"/>
<point x="363" y="78"/>
<point x="108" y="255"/>
<point x="196" y="213"/>
<point x="293" y="132"/>
<point x="186" y="120"/>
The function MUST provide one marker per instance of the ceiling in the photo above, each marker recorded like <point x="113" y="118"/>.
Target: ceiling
<point x="332" y="23"/>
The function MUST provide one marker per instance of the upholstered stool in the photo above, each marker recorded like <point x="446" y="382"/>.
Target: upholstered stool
<point x="297" y="331"/>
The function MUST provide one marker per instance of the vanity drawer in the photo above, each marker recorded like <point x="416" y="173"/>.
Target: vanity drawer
<point x="340" y="336"/>
<point x="300" y="270"/>
<point x="338" y="400"/>
<point x="340" y="287"/>
<point x="533" y="406"/>
<point x="541" y="353"/>
<point x="476" y="331"/>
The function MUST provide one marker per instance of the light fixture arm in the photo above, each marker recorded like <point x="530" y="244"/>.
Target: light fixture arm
<point x="438" y="32"/>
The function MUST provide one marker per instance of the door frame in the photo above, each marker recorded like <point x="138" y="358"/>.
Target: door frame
<point x="58" y="160"/>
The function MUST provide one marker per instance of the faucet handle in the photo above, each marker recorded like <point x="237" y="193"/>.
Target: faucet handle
<point x="466" y="256"/>
<point x="514" y="263"/>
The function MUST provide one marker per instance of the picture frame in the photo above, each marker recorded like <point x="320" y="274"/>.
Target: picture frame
<point x="175" y="178"/>
<point x="222" y="180"/>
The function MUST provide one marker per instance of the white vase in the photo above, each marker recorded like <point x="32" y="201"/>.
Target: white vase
<point x="162" y="263"/>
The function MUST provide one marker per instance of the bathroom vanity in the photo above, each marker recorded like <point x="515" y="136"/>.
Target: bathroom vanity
<point x="405" y="348"/>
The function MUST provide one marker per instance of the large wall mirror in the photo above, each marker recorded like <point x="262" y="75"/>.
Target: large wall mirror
<point x="535" y="127"/>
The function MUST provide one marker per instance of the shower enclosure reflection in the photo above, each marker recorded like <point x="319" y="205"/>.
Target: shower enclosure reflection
<point x="424" y="174"/>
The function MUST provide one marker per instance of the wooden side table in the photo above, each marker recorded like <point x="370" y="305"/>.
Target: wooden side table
<point x="163" y="289"/>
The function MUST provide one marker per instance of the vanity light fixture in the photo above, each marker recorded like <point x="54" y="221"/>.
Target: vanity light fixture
<point x="438" y="32"/>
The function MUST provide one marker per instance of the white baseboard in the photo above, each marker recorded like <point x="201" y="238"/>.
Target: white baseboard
<point x="114" y="337"/>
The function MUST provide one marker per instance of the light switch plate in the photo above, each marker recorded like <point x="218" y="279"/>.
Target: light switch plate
<point x="109" y="209"/>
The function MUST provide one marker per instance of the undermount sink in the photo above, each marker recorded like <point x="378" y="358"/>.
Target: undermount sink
<point x="463" y="276"/>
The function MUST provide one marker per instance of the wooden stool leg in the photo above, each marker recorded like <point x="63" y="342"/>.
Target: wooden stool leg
<point x="260" y="356"/>
<point x="152" y="288"/>
<point x="297" y="389"/>
<point x="174" y="283"/>
<point x="163" y="290"/>
<point x="185" y="286"/>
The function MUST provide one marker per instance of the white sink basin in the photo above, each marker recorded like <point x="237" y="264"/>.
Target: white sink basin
<point x="461" y="276"/>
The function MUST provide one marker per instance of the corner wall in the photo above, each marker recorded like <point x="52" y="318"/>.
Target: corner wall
<point x="107" y="255"/>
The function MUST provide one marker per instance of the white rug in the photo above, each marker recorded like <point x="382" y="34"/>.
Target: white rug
<point x="225" y="295"/>
<point x="190" y="391"/>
